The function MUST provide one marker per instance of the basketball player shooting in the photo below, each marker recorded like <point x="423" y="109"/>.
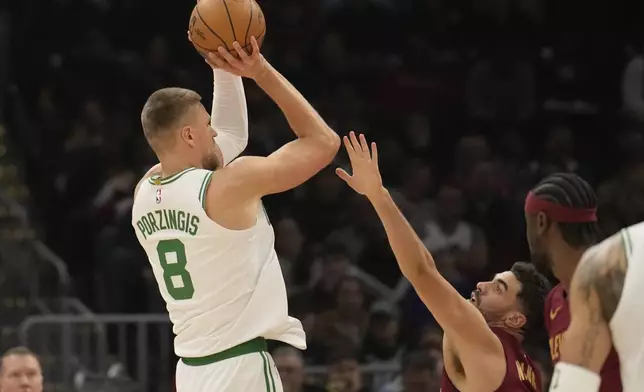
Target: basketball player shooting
<point x="199" y="217"/>
<point x="482" y="341"/>
<point x="561" y="224"/>
<point x="605" y="311"/>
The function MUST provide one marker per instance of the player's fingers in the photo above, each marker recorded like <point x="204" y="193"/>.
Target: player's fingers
<point x="213" y="59"/>
<point x="349" y="147"/>
<point x="355" y="143"/>
<point x="364" y="146"/>
<point x="241" y="52"/>
<point x="189" y="36"/>
<point x="343" y="174"/>
<point x="230" y="59"/>
<point x="374" y="153"/>
<point x="255" y="46"/>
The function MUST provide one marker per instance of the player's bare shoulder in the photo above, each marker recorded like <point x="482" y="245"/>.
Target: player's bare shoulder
<point x="602" y="270"/>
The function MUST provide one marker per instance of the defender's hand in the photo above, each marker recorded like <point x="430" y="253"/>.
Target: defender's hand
<point x="365" y="179"/>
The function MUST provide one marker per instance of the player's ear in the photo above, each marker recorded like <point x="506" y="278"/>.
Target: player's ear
<point x="542" y="223"/>
<point x="188" y="136"/>
<point x="515" y="320"/>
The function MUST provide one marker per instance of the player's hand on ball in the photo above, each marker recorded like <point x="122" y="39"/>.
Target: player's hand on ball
<point x="365" y="178"/>
<point x="246" y="65"/>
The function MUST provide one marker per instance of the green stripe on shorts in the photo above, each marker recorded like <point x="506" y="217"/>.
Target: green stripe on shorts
<point x="270" y="370"/>
<point x="266" y="371"/>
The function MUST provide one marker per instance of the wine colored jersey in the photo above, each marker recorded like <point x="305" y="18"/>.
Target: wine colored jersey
<point x="557" y="316"/>
<point x="521" y="374"/>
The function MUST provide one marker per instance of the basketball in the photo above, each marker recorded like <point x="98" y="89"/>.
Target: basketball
<point x="216" y="23"/>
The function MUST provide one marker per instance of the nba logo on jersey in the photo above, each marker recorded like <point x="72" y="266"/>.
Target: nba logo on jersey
<point x="159" y="196"/>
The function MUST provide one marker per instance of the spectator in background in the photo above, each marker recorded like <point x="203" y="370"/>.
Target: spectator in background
<point x="289" y="242"/>
<point x="290" y="365"/>
<point x="420" y="373"/>
<point x="327" y="273"/>
<point x="20" y="371"/>
<point x="413" y="193"/>
<point x="633" y="87"/>
<point x="459" y="247"/>
<point x="559" y="150"/>
<point x="343" y="327"/>
<point x="382" y="343"/>
<point x="344" y="373"/>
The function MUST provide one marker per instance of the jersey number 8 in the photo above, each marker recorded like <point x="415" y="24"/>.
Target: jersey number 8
<point x="177" y="279"/>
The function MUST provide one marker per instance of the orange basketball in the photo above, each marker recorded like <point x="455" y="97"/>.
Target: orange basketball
<point x="216" y="23"/>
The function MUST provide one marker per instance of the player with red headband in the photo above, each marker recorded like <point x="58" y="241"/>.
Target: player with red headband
<point x="561" y="224"/>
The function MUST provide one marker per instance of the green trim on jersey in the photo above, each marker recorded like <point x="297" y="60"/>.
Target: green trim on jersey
<point x="158" y="180"/>
<point x="626" y="240"/>
<point x="257" y="345"/>
<point x="204" y="188"/>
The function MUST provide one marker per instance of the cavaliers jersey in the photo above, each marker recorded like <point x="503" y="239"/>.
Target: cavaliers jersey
<point x="521" y="374"/>
<point x="221" y="287"/>
<point x="557" y="316"/>
<point x="626" y="324"/>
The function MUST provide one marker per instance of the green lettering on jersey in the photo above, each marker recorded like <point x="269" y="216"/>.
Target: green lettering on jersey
<point x="141" y="227"/>
<point x="181" y="218"/>
<point x="153" y="222"/>
<point x="162" y="224"/>
<point x="194" y="225"/>
<point x="159" y="220"/>
<point x="172" y="219"/>
<point x="172" y="257"/>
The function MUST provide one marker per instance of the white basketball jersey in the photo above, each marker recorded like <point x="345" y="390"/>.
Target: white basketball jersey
<point x="222" y="287"/>
<point x="626" y="324"/>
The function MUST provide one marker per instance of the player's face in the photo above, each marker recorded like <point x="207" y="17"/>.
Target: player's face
<point x="497" y="299"/>
<point x="537" y="242"/>
<point x="203" y="136"/>
<point x="20" y="373"/>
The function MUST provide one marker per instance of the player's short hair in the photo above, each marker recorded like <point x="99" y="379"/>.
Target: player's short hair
<point x="534" y="289"/>
<point x="21" y="351"/>
<point x="164" y="109"/>
<point x="570" y="190"/>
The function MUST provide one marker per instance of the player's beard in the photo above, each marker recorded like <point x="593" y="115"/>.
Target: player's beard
<point x="542" y="262"/>
<point x="212" y="162"/>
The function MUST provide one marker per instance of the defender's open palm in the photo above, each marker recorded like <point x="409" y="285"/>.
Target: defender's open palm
<point x="365" y="178"/>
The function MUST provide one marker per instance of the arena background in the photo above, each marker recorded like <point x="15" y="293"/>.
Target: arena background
<point x="471" y="102"/>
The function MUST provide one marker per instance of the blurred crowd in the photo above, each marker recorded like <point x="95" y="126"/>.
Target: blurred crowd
<point x="470" y="102"/>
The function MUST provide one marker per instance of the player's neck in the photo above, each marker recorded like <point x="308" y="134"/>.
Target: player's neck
<point x="501" y="325"/>
<point x="565" y="263"/>
<point x="171" y="166"/>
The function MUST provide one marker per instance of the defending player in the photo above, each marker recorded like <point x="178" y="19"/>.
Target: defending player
<point x="561" y="224"/>
<point x="482" y="342"/>
<point x="203" y="227"/>
<point x="605" y="302"/>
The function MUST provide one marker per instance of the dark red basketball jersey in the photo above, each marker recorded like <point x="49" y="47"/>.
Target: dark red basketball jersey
<point x="521" y="374"/>
<point x="557" y="316"/>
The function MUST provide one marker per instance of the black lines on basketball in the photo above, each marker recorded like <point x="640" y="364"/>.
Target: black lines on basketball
<point x="250" y="21"/>
<point x="230" y="19"/>
<point x="204" y="48"/>
<point x="211" y="30"/>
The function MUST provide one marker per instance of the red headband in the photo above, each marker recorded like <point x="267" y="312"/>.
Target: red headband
<point x="559" y="213"/>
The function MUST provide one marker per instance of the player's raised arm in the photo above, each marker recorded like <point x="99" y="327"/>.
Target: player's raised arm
<point x="595" y="292"/>
<point x="297" y="161"/>
<point x="229" y="115"/>
<point x="477" y="346"/>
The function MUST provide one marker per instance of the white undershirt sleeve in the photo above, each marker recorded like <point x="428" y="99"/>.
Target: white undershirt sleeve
<point x="229" y="115"/>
